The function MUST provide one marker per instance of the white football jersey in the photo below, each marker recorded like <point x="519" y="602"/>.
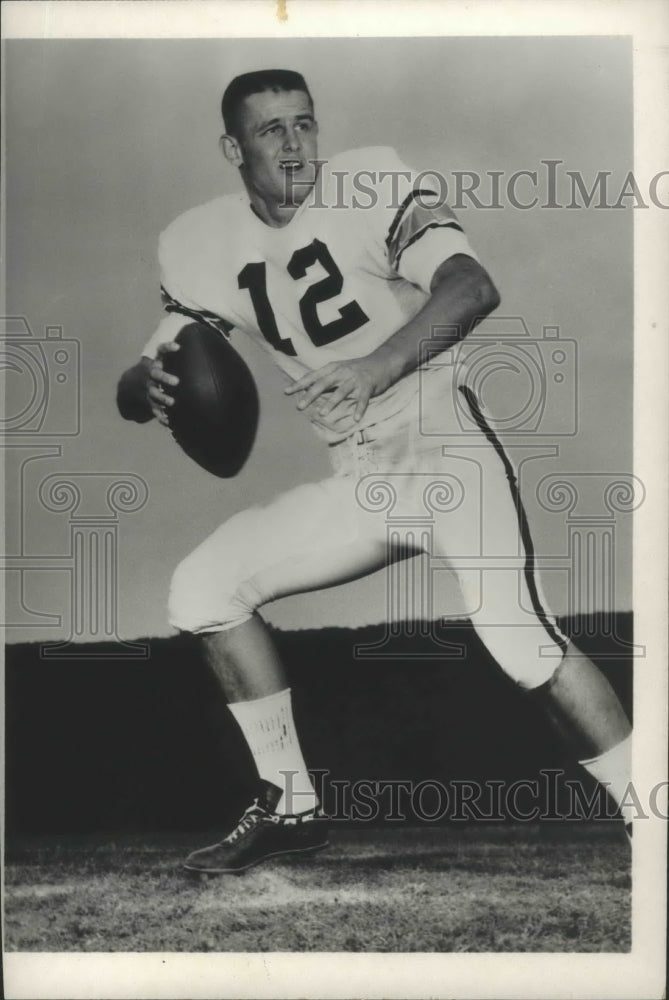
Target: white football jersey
<point x="352" y="266"/>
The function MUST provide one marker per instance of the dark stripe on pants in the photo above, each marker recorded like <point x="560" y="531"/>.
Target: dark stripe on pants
<point x="523" y="524"/>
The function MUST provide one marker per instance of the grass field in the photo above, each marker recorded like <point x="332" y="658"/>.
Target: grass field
<point x="376" y="890"/>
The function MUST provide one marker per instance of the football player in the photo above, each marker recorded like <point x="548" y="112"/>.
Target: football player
<point x="340" y="270"/>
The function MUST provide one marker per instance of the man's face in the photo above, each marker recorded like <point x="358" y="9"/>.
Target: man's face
<point x="278" y="136"/>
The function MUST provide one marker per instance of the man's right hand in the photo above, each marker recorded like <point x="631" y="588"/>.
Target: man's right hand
<point x="143" y="389"/>
<point x="159" y="382"/>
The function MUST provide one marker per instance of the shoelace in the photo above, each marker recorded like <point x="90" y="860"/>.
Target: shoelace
<point x="250" y="819"/>
<point x="255" y="813"/>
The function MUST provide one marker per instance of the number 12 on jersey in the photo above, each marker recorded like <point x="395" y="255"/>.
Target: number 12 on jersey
<point x="351" y="315"/>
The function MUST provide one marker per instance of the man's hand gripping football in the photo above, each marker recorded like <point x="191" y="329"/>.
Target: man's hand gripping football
<point x="158" y="381"/>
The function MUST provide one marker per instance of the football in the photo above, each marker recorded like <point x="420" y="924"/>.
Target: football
<point x="215" y="413"/>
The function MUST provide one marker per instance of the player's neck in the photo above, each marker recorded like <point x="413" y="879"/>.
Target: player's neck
<point x="273" y="213"/>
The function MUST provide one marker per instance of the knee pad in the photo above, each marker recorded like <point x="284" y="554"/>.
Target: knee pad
<point x="208" y="592"/>
<point x="528" y="655"/>
<point x="199" y="601"/>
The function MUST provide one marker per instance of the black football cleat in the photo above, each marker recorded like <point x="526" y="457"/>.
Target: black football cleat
<point x="260" y="834"/>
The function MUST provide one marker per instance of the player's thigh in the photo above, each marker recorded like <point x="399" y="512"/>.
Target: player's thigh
<point x="488" y="540"/>
<point x="481" y="527"/>
<point x="338" y="541"/>
<point x="308" y="537"/>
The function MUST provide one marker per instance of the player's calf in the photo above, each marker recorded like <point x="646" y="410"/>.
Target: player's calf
<point x="587" y="714"/>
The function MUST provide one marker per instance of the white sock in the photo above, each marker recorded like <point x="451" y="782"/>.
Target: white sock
<point x="269" y="729"/>
<point x="614" y="769"/>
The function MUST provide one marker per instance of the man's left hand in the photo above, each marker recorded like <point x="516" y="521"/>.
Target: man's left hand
<point x="356" y="381"/>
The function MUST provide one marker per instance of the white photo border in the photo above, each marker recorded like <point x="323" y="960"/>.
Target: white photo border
<point x="641" y="972"/>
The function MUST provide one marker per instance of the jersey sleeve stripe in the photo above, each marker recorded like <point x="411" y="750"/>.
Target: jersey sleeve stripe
<point x="421" y="232"/>
<point x="173" y="305"/>
<point x="410" y="198"/>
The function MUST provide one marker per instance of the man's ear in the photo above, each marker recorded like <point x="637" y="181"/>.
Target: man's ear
<point x="231" y="150"/>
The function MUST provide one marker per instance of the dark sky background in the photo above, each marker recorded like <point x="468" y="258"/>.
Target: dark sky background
<point x="109" y="140"/>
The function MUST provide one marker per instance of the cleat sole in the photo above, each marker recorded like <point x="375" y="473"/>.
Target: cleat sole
<point x="192" y="870"/>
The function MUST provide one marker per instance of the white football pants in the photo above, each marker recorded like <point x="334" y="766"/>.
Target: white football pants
<point x="393" y="494"/>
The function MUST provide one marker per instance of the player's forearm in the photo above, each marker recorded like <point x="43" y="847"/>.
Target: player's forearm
<point x="462" y="295"/>
<point x="131" y="397"/>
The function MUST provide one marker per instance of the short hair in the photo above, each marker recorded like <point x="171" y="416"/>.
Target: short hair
<point x="243" y="86"/>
